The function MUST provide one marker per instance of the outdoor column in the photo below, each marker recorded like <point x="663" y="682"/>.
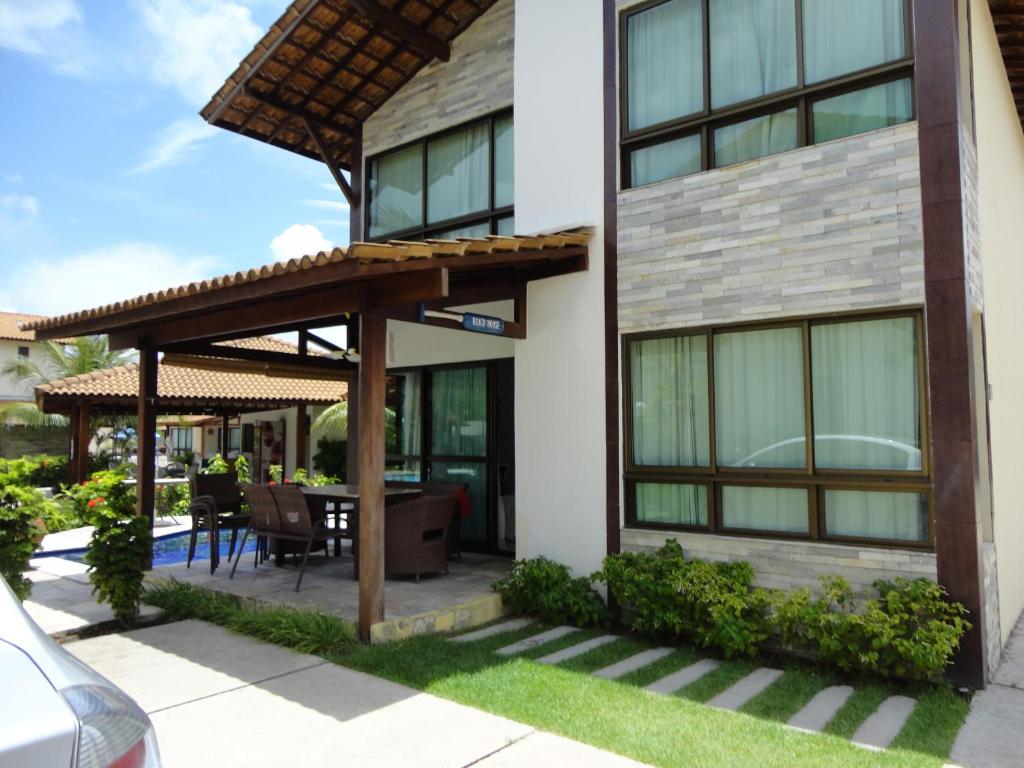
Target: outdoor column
<point x="225" y="437"/>
<point x="145" y="469"/>
<point x="372" y="382"/>
<point x="301" y="438"/>
<point x="82" y="437"/>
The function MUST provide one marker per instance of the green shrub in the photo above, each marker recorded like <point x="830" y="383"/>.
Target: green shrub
<point x="172" y="500"/>
<point x="219" y="466"/>
<point x="121" y="545"/>
<point x="665" y="595"/>
<point x="60" y="514"/>
<point x="34" y="471"/>
<point x="21" y="509"/>
<point x="544" y="588"/>
<point x="331" y="458"/>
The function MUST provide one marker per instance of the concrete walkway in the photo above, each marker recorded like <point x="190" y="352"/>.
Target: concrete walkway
<point x="217" y="698"/>
<point x="993" y="736"/>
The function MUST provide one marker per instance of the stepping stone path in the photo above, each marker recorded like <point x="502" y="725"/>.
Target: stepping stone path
<point x="819" y="711"/>
<point x="633" y="663"/>
<point x="742" y="691"/>
<point x="876" y="732"/>
<point x="885" y="723"/>
<point x="577" y="650"/>
<point x="494" y="629"/>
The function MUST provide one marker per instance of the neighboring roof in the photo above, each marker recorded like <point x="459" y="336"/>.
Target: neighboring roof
<point x="265" y="344"/>
<point x="362" y="262"/>
<point x="10" y="327"/>
<point x="1008" y="16"/>
<point x="334" y="62"/>
<point x="179" y="387"/>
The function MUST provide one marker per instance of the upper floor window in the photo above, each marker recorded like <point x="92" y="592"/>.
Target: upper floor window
<point x="22" y="351"/>
<point x="456" y="183"/>
<point x="708" y="83"/>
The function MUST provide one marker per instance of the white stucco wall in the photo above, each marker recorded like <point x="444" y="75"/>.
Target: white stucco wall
<point x="290" y="417"/>
<point x="560" y="435"/>
<point x="1000" y="191"/>
<point x="11" y="389"/>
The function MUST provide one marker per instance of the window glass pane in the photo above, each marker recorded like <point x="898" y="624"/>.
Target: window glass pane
<point x="457" y="173"/>
<point x="459" y="412"/>
<point x="753" y="49"/>
<point x="473" y="473"/>
<point x="405" y="471"/>
<point x="841" y="36"/>
<point x="475" y="230"/>
<point x="864" y="380"/>
<point x="759" y="398"/>
<point x="396" y="191"/>
<point x="669" y="388"/>
<point x="507" y="226"/>
<point x="234" y="439"/>
<point x="869" y="515"/>
<point x="764" y="509"/>
<point x="402" y="414"/>
<point x="672" y="503"/>
<point x="860" y="111"/>
<point x="678" y="157"/>
<point x="757" y="137"/>
<point x="504" y="166"/>
<point x="664" y="63"/>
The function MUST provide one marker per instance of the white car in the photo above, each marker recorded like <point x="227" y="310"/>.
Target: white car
<point x="56" y="711"/>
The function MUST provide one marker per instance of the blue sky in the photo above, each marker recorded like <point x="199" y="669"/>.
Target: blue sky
<point x="111" y="185"/>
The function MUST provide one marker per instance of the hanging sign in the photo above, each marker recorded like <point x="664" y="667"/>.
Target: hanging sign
<point x="483" y="324"/>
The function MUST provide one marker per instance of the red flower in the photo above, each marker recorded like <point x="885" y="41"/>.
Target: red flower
<point x="272" y="482"/>
<point x="287" y="481"/>
<point x="97" y="500"/>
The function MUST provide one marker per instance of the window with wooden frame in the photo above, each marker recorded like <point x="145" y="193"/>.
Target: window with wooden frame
<point x="457" y="183"/>
<point x="710" y="83"/>
<point x="809" y="429"/>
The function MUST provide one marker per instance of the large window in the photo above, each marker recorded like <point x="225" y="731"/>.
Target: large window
<point x="181" y="439"/>
<point x="810" y="429"/>
<point x="458" y="183"/>
<point x="710" y="83"/>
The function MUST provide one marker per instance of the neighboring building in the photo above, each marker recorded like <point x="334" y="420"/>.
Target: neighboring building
<point x="783" y="349"/>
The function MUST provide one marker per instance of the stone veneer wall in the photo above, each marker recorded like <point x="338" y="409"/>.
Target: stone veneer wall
<point x="477" y="80"/>
<point x="972" y="215"/>
<point x="993" y="633"/>
<point x="784" y="564"/>
<point x="831" y="227"/>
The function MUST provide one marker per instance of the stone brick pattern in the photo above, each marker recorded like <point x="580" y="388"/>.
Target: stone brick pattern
<point x="831" y="227"/>
<point x="477" y="80"/>
<point x="783" y="564"/>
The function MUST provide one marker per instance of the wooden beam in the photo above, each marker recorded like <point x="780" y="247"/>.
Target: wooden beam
<point x="224" y="352"/>
<point x="355" y="214"/>
<point x="225" y="436"/>
<point x="294" y="110"/>
<point x="145" y="435"/>
<point x="352" y="338"/>
<point x="276" y="313"/>
<point x="321" y="145"/>
<point x="372" y="386"/>
<point x="301" y="438"/>
<point x="252" y="367"/>
<point x="403" y="29"/>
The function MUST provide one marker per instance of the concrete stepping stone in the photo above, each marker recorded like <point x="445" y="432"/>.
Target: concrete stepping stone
<point x="819" y="711"/>
<point x="885" y="723"/>
<point x="495" y="629"/>
<point x="633" y="663"/>
<point x="683" y="677"/>
<point x="577" y="650"/>
<point x="536" y="640"/>
<point x="742" y="691"/>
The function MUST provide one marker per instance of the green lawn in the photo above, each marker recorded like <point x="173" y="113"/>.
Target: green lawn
<point x="618" y="715"/>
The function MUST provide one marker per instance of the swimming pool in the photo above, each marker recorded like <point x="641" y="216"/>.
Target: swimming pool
<point x="173" y="549"/>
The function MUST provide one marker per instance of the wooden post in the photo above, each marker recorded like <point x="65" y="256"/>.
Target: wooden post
<point x="352" y="395"/>
<point x="145" y="469"/>
<point x="225" y="437"/>
<point x="372" y="384"/>
<point x="72" y="449"/>
<point x="301" y="438"/>
<point x="83" y="435"/>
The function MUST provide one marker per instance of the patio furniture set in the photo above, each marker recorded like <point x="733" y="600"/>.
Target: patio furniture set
<point x="421" y="522"/>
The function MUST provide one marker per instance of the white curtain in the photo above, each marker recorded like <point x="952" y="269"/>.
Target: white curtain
<point x="764" y="509"/>
<point x="678" y="157"/>
<point x="458" y="173"/>
<point x="396" y="191"/>
<point x="753" y="49"/>
<point x="865" y="514"/>
<point x="864" y="380"/>
<point x="759" y="398"/>
<point x="757" y="137"/>
<point x="672" y="503"/>
<point x="860" y="111"/>
<point x="669" y="389"/>
<point x="664" y="63"/>
<point x="504" y="165"/>
<point x="842" y="36"/>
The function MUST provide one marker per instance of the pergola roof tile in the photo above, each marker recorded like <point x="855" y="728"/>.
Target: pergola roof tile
<point x="10" y="327"/>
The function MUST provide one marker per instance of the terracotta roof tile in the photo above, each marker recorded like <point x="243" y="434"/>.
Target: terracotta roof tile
<point x="10" y="326"/>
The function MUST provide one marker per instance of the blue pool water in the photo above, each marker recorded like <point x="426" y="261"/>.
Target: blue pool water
<point x="169" y="550"/>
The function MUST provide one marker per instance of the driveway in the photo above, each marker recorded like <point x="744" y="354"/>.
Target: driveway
<point x="217" y="698"/>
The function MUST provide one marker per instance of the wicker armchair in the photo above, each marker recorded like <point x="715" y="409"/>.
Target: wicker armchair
<point x="452" y="490"/>
<point x="416" y="536"/>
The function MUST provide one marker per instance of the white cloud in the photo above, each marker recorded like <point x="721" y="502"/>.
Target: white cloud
<point x="175" y="144"/>
<point x="331" y="205"/>
<point x="13" y="178"/>
<point x="17" y="211"/>
<point x="49" y="29"/>
<point x="299" y="240"/>
<point x="56" y="285"/>
<point x="197" y="43"/>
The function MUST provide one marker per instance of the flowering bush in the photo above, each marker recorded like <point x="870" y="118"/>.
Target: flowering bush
<point x="21" y="510"/>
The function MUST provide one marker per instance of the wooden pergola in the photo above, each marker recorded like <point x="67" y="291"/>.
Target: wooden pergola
<point x="377" y="282"/>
